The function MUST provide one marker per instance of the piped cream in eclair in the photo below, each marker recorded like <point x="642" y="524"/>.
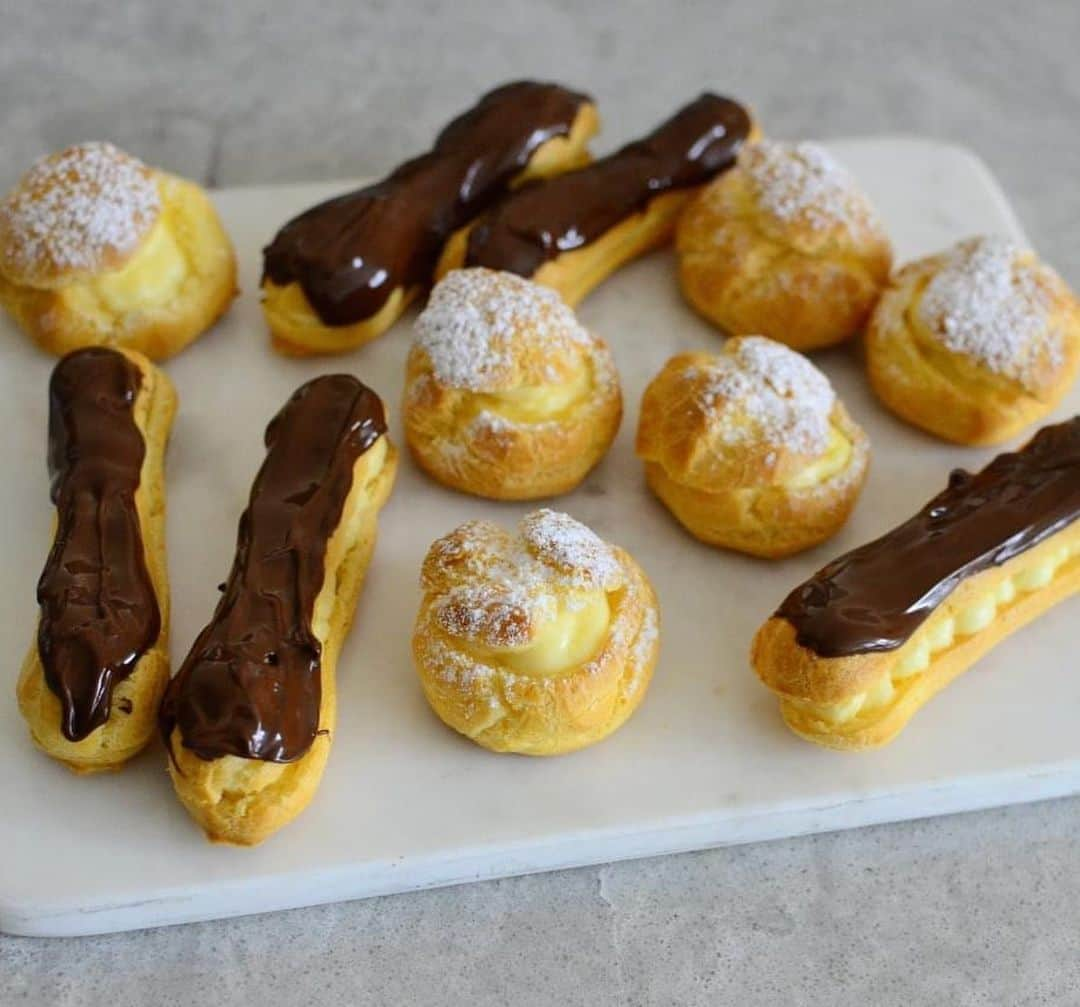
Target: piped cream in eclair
<point x="854" y="651"/>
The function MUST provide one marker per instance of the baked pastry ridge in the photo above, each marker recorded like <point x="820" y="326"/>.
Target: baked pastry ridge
<point x="507" y="395"/>
<point x="248" y="718"/>
<point x="539" y="642"/>
<point x="975" y="343"/>
<point x="750" y="448"/>
<point x="784" y="245"/>
<point x="864" y="643"/>
<point x="91" y="682"/>
<point x="572" y="231"/>
<point x="98" y="249"/>
<point x="342" y="272"/>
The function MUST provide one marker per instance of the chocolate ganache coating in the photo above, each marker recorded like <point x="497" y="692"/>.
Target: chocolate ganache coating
<point x="251" y="686"/>
<point x="350" y="253"/>
<point x="875" y="597"/>
<point x="550" y="216"/>
<point x="99" y="613"/>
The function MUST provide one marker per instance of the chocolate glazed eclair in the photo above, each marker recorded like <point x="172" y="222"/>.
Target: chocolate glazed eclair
<point x="864" y="643"/>
<point x="248" y="719"/>
<point x="91" y="682"/>
<point x="342" y="273"/>
<point x="572" y="231"/>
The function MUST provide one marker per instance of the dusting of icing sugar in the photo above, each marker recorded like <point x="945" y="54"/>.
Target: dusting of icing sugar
<point x="646" y="639"/>
<point x="488" y="422"/>
<point x="474" y="612"/>
<point x="475" y="317"/>
<point x="574" y="549"/>
<point x="73" y="208"/>
<point x="985" y="304"/>
<point x="497" y="587"/>
<point x="783" y="396"/>
<point x="802" y="181"/>
<point x="638" y="664"/>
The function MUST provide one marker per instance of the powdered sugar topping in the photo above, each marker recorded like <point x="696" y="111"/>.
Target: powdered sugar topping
<point x="73" y="209"/>
<point x="802" y="181"/>
<point x="474" y="319"/>
<point x="576" y="551"/>
<point x="495" y="587"/>
<point x="646" y="638"/>
<point x="781" y="395"/>
<point x="987" y="304"/>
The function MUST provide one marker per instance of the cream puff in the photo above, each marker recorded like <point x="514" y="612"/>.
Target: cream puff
<point x="249" y="719"/>
<point x="342" y="272"/>
<point x="97" y="249"/>
<point x="507" y="395"/>
<point x="857" y="649"/>
<point x="975" y="343"/>
<point x="786" y="245"/>
<point x="539" y="642"/>
<point x="571" y="232"/>
<point x="750" y="448"/>
<point x="93" y="678"/>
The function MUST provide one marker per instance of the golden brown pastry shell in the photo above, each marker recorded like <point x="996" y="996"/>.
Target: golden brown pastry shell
<point x="244" y="801"/>
<point x="742" y="498"/>
<point x="548" y="714"/>
<point x="68" y="313"/>
<point x="124" y="734"/>
<point x="510" y="460"/>
<point x="948" y="394"/>
<point x="575" y="274"/>
<point x="297" y="330"/>
<point x="748" y="272"/>
<point x="796" y="673"/>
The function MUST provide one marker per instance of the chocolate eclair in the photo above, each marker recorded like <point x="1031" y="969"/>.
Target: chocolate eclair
<point x="342" y="272"/>
<point x="571" y="232"/>
<point x="859" y="647"/>
<point x="248" y="719"/>
<point x="91" y="682"/>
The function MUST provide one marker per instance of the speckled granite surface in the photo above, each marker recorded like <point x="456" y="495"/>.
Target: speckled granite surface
<point x="976" y="909"/>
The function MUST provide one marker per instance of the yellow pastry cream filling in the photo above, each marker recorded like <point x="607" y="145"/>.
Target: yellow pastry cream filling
<point x="152" y="276"/>
<point x="936" y="635"/>
<point x="833" y="459"/>
<point x="573" y="633"/>
<point x="535" y="403"/>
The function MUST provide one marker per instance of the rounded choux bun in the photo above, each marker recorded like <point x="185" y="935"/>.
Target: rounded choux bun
<point x="507" y="395"/>
<point x="539" y="642"/>
<point x="750" y="448"/>
<point x="98" y="249"/>
<point x="785" y="245"/>
<point x="975" y="343"/>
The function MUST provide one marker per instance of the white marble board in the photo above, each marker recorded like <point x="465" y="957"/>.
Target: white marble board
<point x="405" y="802"/>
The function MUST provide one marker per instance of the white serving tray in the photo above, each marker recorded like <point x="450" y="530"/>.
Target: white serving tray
<point x="405" y="802"/>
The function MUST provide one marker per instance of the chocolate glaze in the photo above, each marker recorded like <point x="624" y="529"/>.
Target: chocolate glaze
<point x="251" y="685"/>
<point x="551" y="216"/>
<point x="875" y="597"/>
<point x="350" y="253"/>
<point x="99" y="613"/>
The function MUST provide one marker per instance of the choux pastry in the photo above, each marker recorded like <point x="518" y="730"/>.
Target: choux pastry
<point x="571" y="232"/>
<point x="92" y="681"/>
<point x="342" y="273"/>
<point x="507" y="395"/>
<point x="785" y="245"/>
<point x="864" y="643"/>
<point x="750" y="448"/>
<point x="97" y="249"/>
<point x="539" y="642"/>
<point x="249" y="718"/>
<point x="975" y="343"/>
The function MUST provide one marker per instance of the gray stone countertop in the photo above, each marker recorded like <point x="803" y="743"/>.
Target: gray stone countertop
<point x="973" y="909"/>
